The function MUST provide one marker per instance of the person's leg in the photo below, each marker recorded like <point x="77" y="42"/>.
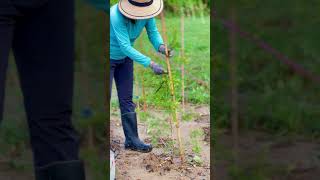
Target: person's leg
<point x="6" y="35"/>
<point x="113" y="66"/>
<point x="123" y="76"/>
<point x="44" y="52"/>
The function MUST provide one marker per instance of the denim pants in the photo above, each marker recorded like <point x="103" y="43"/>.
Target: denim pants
<point x="122" y="72"/>
<point x="41" y="35"/>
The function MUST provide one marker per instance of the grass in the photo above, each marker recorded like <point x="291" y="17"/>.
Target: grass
<point x="272" y="97"/>
<point x="197" y="50"/>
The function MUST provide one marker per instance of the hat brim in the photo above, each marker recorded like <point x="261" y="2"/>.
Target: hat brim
<point x="135" y="12"/>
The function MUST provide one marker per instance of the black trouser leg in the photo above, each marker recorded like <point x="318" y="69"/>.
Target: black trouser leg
<point x="122" y="72"/>
<point x="123" y="76"/>
<point x="44" y="51"/>
<point x="113" y="66"/>
<point x="6" y="35"/>
<point x="41" y="34"/>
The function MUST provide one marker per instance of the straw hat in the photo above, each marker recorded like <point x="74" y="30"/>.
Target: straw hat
<point x="140" y="9"/>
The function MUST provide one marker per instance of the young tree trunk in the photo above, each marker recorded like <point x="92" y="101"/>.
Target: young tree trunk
<point x="137" y="90"/>
<point x="171" y="84"/>
<point x="144" y="98"/>
<point x="143" y="93"/>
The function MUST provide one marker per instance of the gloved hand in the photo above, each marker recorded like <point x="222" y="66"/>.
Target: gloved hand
<point x="157" y="69"/>
<point x="162" y="50"/>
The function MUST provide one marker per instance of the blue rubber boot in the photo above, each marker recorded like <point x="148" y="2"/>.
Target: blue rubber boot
<point x="130" y="128"/>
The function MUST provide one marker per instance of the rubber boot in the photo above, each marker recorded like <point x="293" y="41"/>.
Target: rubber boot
<point x="130" y="128"/>
<point x="42" y="174"/>
<point x="69" y="170"/>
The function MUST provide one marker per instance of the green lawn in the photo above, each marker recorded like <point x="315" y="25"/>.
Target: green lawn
<point x="197" y="63"/>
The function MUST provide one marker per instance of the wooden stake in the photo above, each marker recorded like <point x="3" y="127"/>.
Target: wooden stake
<point x="143" y="92"/>
<point x="182" y="57"/>
<point x="175" y="113"/>
<point x="137" y="91"/>
<point x="144" y="98"/>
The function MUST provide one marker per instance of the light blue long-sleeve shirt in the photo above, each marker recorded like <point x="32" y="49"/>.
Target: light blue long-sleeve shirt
<point x="123" y="34"/>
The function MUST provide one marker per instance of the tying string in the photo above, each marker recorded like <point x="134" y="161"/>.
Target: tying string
<point x="161" y="85"/>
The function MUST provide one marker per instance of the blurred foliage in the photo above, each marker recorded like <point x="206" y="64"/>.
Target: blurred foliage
<point x="272" y="97"/>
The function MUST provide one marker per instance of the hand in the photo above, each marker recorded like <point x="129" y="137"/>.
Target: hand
<point x="157" y="69"/>
<point x="162" y="50"/>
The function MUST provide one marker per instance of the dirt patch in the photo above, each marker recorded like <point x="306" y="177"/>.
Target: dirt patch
<point x="16" y="168"/>
<point x="15" y="175"/>
<point x="273" y="157"/>
<point x="203" y="113"/>
<point x="159" y="164"/>
<point x="154" y="163"/>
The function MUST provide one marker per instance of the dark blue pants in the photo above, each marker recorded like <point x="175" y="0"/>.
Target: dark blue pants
<point x="41" y="35"/>
<point x="122" y="72"/>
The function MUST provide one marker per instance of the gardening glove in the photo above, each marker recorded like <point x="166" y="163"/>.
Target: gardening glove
<point x="157" y="69"/>
<point x="162" y="50"/>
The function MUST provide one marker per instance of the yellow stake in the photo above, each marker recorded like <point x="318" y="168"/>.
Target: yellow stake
<point x="175" y="113"/>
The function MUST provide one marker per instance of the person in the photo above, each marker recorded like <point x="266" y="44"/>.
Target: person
<point x="128" y="18"/>
<point x="41" y="35"/>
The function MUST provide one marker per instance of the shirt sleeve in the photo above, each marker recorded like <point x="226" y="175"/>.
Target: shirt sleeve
<point x="122" y="36"/>
<point x="153" y="33"/>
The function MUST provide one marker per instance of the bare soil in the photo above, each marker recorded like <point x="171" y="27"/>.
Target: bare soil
<point x="157" y="164"/>
<point x="277" y="157"/>
<point x="16" y="168"/>
<point x="7" y="173"/>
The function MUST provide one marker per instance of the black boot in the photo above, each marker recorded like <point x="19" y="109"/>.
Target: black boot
<point x="70" y="170"/>
<point x="42" y="174"/>
<point x="130" y="128"/>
